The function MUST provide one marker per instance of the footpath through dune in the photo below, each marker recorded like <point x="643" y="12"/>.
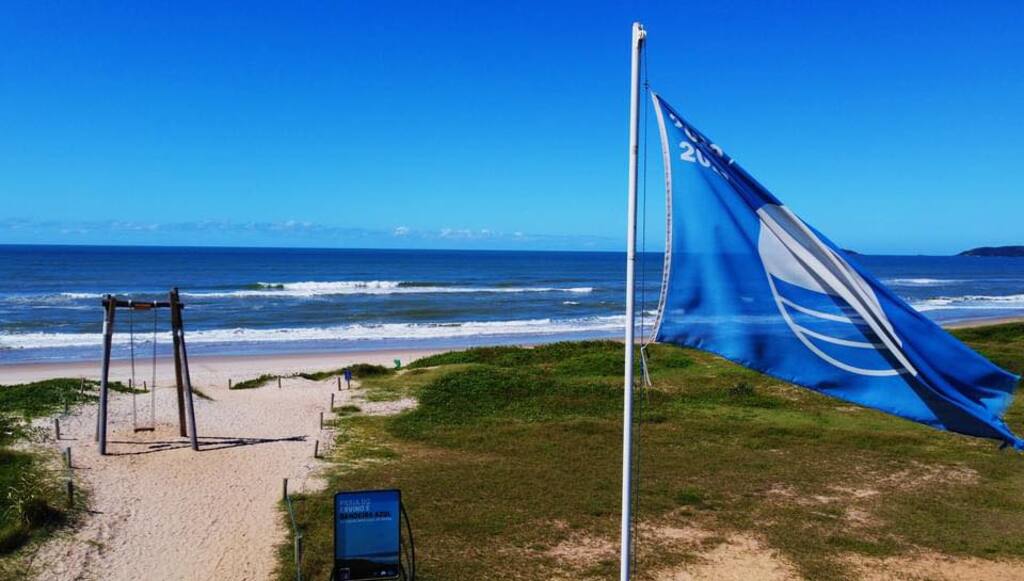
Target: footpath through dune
<point x="159" y="510"/>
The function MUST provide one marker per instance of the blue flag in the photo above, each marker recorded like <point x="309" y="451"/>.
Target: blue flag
<point x="747" y="279"/>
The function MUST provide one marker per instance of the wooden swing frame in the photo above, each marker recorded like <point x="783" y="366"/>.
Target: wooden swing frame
<point x="186" y="407"/>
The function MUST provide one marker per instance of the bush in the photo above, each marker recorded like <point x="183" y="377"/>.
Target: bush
<point x="363" y="370"/>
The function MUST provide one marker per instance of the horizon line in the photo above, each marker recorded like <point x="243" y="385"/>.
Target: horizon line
<point x="419" y="249"/>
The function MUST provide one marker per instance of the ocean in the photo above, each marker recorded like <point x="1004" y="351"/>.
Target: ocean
<point x="270" y="300"/>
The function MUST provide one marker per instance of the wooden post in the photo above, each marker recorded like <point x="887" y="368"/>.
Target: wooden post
<point x="332" y="401"/>
<point x="67" y="457"/>
<point x="316" y="449"/>
<point x="178" y="330"/>
<point x="71" y="493"/>
<point x="108" y="340"/>
<point x="278" y="382"/>
<point x="56" y="426"/>
<point x="339" y="383"/>
<point x="321" y="420"/>
<point x="229" y="383"/>
<point x="179" y="382"/>
<point x="284" y="490"/>
<point x="66" y="409"/>
<point x="298" y="556"/>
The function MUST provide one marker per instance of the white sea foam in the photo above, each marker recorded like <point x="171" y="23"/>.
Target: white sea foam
<point x="77" y="296"/>
<point x="54" y="299"/>
<point x="980" y="302"/>
<point x="918" y="281"/>
<point x="370" y="287"/>
<point x="340" y="333"/>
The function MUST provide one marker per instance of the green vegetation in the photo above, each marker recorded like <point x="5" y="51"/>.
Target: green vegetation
<point x="513" y="455"/>
<point x="254" y="383"/>
<point x="47" y="397"/>
<point x="32" y="503"/>
<point x="359" y="371"/>
<point x="30" y="500"/>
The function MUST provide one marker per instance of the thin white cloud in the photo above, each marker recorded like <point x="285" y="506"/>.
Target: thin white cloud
<point x="290" y="232"/>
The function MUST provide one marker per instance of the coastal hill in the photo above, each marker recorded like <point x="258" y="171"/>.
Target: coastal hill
<point x="1017" y="251"/>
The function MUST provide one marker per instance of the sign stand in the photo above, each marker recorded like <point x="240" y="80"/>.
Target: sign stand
<point x="367" y="536"/>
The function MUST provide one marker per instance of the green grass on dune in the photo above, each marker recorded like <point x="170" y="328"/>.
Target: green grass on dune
<point x="47" y="397"/>
<point x="513" y="451"/>
<point x="255" y="382"/>
<point x="30" y="500"/>
<point x="32" y="504"/>
<point x="359" y="371"/>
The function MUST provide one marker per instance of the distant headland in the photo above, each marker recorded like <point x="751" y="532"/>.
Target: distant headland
<point x="1017" y="251"/>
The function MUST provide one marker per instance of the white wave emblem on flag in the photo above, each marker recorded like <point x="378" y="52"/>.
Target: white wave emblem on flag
<point x="852" y="320"/>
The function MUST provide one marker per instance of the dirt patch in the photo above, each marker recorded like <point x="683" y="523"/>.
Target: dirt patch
<point x="920" y="474"/>
<point x="580" y="551"/>
<point x="740" y="558"/>
<point x="934" y="567"/>
<point x="664" y="534"/>
<point x="387" y="408"/>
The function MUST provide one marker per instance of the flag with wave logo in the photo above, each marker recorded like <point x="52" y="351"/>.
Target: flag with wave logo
<point x="749" y="280"/>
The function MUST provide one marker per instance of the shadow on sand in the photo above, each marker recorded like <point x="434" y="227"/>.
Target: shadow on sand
<point x="206" y="444"/>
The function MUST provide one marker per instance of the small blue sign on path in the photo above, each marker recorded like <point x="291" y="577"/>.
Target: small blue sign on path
<point x="367" y="535"/>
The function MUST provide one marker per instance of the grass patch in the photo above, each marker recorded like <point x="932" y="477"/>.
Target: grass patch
<point x="576" y="354"/>
<point x="402" y="383"/>
<point x="47" y="397"/>
<point x="30" y="502"/>
<point x="256" y="382"/>
<point x="359" y="371"/>
<point x="514" y="451"/>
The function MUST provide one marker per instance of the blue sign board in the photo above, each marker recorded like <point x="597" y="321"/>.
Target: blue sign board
<point x="367" y="535"/>
<point x="348" y="375"/>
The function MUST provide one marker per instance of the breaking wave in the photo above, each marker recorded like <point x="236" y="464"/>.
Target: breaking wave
<point x="1001" y="302"/>
<point x="919" y="281"/>
<point x="372" y="287"/>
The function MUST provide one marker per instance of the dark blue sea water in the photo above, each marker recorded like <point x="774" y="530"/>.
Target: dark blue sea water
<point x="257" y="300"/>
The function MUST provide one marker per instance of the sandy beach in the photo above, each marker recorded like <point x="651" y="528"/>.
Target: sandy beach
<point x="208" y="371"/>
<point x="983" y="322"/>
<point x="159" y="510"/>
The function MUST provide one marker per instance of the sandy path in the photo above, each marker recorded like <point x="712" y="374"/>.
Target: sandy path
<point x="162" y="511"/>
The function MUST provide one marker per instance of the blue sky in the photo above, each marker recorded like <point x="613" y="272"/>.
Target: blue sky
<point x="894" y="127"/>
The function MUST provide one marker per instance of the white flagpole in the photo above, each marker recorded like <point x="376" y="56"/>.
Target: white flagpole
<point x="627" y="411"/>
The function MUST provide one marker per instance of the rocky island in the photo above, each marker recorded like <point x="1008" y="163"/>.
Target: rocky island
<point x="1016" y="251"/>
